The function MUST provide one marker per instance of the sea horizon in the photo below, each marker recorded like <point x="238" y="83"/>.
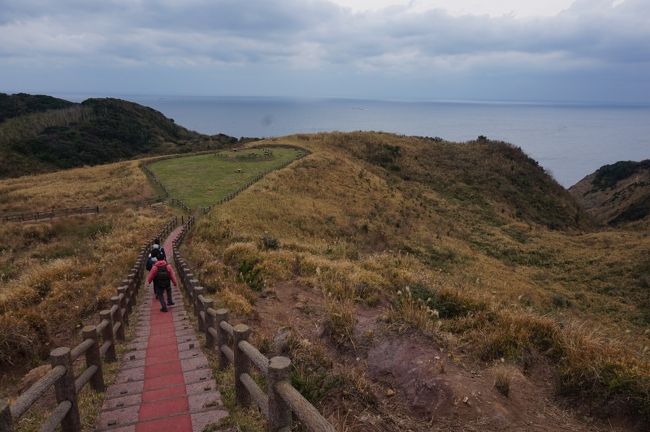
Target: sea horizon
<point x="569" y="139"/>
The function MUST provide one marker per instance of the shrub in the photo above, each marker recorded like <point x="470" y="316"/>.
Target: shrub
<point x="340" y="321"/>
<point x="502" y="378"/>
<point x="512" y="336"/>
<point x="449" y="304"/>
<point x="312" y="370"/>
<point x="608" y="175"/>
<point x="269" y="242"/>
<point x="17" y="341"/>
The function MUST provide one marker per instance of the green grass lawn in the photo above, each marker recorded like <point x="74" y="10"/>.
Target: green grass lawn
<point x="202" y="180"/>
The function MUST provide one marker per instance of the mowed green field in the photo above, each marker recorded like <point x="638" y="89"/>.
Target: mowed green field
<point x="202" y="180"/>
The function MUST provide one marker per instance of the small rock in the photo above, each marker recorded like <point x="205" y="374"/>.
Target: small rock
<point x="390" y="392"/>
<point x="466" y="400"/>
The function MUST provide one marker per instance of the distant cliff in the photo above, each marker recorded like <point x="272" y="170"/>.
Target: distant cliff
<point x="616" y="194"/>
<point x="42" y="133"/>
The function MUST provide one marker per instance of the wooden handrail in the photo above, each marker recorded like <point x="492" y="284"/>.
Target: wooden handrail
<point x="81" y="349"/>
<point x="259" y="360"/>
<point x="232" y="346"/>
<point x="61" y="376"/>
<point x="302" y="408"/>
<point x="38" y="389"/>
<point x="47" y="214"/>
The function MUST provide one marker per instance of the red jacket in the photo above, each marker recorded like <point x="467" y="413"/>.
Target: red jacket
<point x="154" y="270"/>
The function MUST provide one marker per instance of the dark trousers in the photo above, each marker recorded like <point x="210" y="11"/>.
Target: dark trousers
<point x="159" y="293"/>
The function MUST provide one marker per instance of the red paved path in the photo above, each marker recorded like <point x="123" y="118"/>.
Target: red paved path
<point x="164" y="383"/>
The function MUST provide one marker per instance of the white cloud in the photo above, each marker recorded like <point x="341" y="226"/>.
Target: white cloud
<point x="519" y="8"/>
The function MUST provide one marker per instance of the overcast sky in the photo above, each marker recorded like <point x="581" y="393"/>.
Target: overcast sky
<point x="562" y="50"/>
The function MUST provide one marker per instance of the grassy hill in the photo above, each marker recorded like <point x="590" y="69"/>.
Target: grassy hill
<point x="617" y="194"/>
<point x="55" y="274"/>
<point x="202" y="180"/>
<point x="20" y="104"/>
<point x="416" y="273"/>
<point x="41" y="134"/>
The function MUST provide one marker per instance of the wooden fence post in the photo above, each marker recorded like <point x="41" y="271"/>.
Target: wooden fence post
<point x="209" y="322"/>
<point x="242" y="364"/>
<point x="193" y="284"/>
<point x="107" y="335"/>
<point x="6" y="421"/>
<point x="222" y="337"/>
<point x="115" y="300"/>
<point x="279" y="411"/>
<point x="198" y="305"/>
<point x="122" y="291"/>
<point x="65" y="389"/>
<point x="94" y="358"/>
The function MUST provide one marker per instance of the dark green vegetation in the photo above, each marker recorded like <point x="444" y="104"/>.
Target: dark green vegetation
<point x="609" y="175"/>
<point x="21" y="104"/>
<point x="41" y="134"/>
<point x="617" y="194"/>
<point x="202" y="180"/>
<point x="481" y="174"/>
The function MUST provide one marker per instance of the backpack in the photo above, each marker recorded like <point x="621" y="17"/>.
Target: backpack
<point x="162" y="280"/>
<point x="150" y="262"/>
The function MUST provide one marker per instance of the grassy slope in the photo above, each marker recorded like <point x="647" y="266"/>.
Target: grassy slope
<point x="55" y="274"/>
<point x="202" y="180"/>
<point x="617" y="194"/>
<point x="483" y="238"/>
<point x="94" y="132"/>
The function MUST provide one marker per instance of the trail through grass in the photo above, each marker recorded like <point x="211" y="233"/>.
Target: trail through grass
<point x="204" y="179"/>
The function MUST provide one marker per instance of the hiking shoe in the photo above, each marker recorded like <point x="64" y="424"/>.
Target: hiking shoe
<point x="163" y="309"/>
<point x="170" y="303"/>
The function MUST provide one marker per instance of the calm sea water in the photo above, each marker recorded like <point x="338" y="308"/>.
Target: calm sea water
<point x="570" y="141"/>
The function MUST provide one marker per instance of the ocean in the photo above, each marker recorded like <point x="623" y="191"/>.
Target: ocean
<point x="569" y="141"/>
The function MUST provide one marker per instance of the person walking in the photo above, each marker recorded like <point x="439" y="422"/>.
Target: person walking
<point x="159" y="246"/>
<point x="162" y="276"/>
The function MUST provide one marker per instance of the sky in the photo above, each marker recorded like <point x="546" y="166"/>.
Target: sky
<point x="521" y="50"/>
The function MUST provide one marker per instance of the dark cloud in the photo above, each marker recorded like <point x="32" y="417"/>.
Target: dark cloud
<point x="317" y="35"/>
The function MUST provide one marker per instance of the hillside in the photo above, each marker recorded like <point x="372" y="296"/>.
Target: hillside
<point x="76" y="260"/>
<point x="442" y="286"/>
<point x="616" y="194"/>
<point x="20" y="104"/>
<point x="48" y="134"/>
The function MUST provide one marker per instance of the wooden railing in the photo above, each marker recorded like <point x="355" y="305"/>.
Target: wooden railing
<point x="280" y="399"/>
<point x="98" y="346"/>
<point x="47" y="214"/>
<point x="180" y="204"/>
<point x="154" y="179"/>
<point x="303" y="152"/>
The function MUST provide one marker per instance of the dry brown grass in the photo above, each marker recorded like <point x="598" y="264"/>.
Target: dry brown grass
<point x="502" y="380"/>
<point x="490" y="248"/>
<point x="114" y="184"/>
<point x="55" y="275"/>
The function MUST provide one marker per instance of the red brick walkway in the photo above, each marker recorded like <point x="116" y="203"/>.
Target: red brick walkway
<point x="164" y="383"/>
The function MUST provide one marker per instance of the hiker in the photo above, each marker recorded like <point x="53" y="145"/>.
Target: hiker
<point x="151" y="259"/>
<point x="158" y="245"/>
<point x="162" y="276"/>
